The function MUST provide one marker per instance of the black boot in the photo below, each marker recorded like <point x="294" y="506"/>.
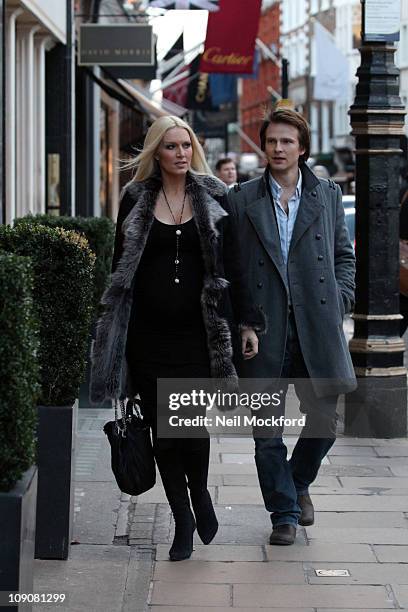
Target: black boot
<point x="182" y="546"/>
<point x="196" y="467"/>
<point x="171" y="470"/>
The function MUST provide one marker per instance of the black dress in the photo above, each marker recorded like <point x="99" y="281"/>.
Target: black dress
<point x="166" y="334"/>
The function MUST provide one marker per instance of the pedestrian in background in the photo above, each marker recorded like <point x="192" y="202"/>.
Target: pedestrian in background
<point x="226" y="170"/>
<point x="301" y="264"/>
<point x="165" y="311"/>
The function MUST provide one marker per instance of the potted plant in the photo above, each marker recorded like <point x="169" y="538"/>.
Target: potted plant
<point x="100" y="233"/>
<point x="63" y="290"/>
<point x="18" y="395"/>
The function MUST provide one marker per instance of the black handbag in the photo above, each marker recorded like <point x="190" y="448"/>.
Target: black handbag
<point x="132" y="458"/>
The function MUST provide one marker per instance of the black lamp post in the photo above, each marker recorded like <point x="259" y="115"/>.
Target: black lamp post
<point x="378" y="407"/>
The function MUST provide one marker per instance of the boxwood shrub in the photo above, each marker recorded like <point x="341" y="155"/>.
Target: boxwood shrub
<point x="63" y="268"/>
<point x="100" y="233"/>
<point x="19" y="369"/>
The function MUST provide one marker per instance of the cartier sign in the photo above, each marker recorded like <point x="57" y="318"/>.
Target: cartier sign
<point x="116" y="45"/>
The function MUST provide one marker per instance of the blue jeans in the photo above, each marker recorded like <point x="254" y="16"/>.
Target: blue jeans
<point x="281" y="481"/>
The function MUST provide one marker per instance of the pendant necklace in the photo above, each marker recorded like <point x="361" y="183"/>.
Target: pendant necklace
<point x="178" y="234"/>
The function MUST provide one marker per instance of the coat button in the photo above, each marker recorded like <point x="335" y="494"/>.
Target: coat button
<point x="318" y="236"/>
<point x="320" y="257"/>
<point x="323" y="301"/>
<point x="260" y="285"/>
<point x="321" y="279"/>
<point x="261" y="262"/>
<point x="314" y="194"/>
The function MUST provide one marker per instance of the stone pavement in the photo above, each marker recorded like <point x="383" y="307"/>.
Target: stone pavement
<point x="118" y="561"/>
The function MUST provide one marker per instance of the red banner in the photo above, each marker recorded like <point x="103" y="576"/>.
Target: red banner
<point x="231" y="34"/>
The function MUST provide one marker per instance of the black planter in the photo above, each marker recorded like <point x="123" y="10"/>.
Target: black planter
<point x="56" y="464"/>
<point x="17" y="535"/>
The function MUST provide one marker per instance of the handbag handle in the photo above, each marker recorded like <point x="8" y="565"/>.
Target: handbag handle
<point x="126" y="414"/>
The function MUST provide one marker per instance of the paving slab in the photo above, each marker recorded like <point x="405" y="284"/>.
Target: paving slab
<point x="227" y="573"/>
<point x="257" y="595"/>
<point x="382" y="535"/>
<point x="399" y="470"/>
<point x="369" y="461"/>
<point x="245" y="480"/>
<point x="389" y="553"/>
<point x="321" y="552"/>
<point x="219" y="552"/>
<point x="360" y="519"/>
<point x="360" y="573"/>
<point x="358" y="470"/>
<point x="185" y="594"/>
<point x="240" y="495"/>
<point x="158" y="496"/>
<point x="392" y="450"/>
<point x="401" y="593"/>
<point x="366" y="503"/>
<point x="94" y="578"/>
<point x="232" y="468"/>
<point x="242" y="458"/>
<point x="98" y="511"/>
<point x="355" y="451"/>
<point x="385" y="482"/>
<point x="223" y="609"/>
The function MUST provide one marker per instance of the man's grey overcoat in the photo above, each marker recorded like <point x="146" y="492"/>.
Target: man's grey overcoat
<point x="321" y="270"/>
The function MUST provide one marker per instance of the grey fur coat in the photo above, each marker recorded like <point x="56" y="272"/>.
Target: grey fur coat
<point x="220" y="250"/>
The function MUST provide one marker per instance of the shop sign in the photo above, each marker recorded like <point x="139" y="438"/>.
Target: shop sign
<point x="116" y="45"/>
<point x="382" y="20"/>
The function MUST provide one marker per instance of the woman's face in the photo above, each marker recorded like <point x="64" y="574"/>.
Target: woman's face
<point x="175" y="151"/>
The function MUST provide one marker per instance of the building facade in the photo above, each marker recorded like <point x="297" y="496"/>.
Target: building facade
<point x="402" y="59"/>
<point x="39" y="150"/>
<point x="256" y="94"/>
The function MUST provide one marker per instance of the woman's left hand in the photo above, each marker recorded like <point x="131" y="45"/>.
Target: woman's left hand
<point x="249" y="342"/>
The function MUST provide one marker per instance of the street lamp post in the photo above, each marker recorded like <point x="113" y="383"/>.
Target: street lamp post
<point x="378" y="407"/>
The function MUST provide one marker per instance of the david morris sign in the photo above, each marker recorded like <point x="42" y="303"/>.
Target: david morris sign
<point x="116" y="45"/>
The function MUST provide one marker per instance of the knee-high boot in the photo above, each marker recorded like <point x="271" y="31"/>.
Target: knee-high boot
<point x="196" y="468"/>
<point x="171" y="470"/>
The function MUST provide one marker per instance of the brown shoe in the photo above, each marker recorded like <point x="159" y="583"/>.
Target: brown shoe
<point x="307" y="517"/>
<point x="283" y="535"/>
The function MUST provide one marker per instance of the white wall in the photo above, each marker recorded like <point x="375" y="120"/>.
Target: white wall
<point x="51" y="13"/>
<point x="402" y="58"/>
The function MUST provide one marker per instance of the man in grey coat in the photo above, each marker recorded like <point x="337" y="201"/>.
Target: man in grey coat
<point x="301" y="266"/>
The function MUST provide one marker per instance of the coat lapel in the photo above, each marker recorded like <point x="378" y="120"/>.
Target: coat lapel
<point x="263" y="219"/>
<point x="310" y="207"/>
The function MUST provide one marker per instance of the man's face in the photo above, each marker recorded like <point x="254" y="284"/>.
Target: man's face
<point x="228" y="173"/>
<point x="282" y="147"/>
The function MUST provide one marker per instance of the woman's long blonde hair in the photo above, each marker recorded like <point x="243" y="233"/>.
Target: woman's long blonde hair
<point x="145" y="163"/>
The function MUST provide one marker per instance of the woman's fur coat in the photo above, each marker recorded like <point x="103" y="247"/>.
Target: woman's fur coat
<point x="109" y="375"/>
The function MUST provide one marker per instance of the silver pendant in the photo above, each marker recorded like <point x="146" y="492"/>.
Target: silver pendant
<point x="177" y="280"/>
<point x="178" y="232"/>
<point x="176" y="261"/>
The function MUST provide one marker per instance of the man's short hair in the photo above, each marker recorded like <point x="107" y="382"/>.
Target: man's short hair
<point x="290" y="117"/>
<point x="222" y="161"/>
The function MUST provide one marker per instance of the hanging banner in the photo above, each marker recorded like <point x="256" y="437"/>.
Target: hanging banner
<point x="332" y="68"/>
<point x="198" y="92"/>
<point x="231" y="34"/>
<point x="207" y="5"/>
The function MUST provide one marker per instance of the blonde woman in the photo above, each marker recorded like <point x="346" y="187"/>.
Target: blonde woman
<point x="168" y="304"/>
